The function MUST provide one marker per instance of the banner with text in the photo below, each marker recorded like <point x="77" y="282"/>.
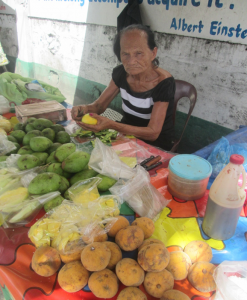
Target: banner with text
<point x="222" y="20"/>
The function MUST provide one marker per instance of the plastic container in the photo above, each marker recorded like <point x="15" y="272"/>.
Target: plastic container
<point x="225" y="201"/>
<point x="188" y="176"/>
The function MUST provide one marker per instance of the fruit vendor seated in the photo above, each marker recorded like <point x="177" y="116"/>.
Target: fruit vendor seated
<point x="147" y="91"/>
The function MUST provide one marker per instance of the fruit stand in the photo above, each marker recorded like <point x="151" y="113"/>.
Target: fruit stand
<point x="178" y="224"/>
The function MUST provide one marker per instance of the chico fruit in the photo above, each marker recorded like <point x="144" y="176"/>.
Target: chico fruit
<point x="87" y="119"/>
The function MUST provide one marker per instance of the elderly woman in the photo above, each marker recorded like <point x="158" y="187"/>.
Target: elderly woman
<point x="147" y="91"/>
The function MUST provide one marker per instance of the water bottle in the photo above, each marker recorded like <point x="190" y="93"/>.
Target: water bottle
<point x="225" y="201"/>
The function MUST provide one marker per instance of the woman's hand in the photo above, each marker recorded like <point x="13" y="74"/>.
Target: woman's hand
<point x="102" y="123"/>
<point x="77" y="112"/>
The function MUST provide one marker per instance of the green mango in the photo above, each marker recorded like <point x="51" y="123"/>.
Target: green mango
<point x="51" y="158"/>
<point x="31" y="120"/>
<point x="19" y="135"/>
<point x="18" y="126"/>
<point x="27" y="161"/>
<point x="64" y="151"/>
<point x="25" y="150"/>
<point x="44" y="183"/>
<point x="62" y="137"/>
<point x="106" y="183"/>
<point x="53" y="148"/>
<point x="40" y="143"/>
<point x="42" y="156"/>
<point x="42" y="123"/>
<point x="75" y="162"/>
<point x="30" y="135"/>
<point x="84" y="174"/>
<point x="15" y="150"/>
<point x="57" y="168"/>
<point x="12" y="139"/>
<point x="53" y="203"/>
<point x="66" y="195"/>
<point x="3" y="158"/>
<point x="64" y="185"/>
<point x="29" y="128"/>
<point x="57" y="128"/>
<point x="49" y="133"/>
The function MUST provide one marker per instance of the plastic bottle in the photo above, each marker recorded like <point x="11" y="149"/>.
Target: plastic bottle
<point x="225" y="201"/>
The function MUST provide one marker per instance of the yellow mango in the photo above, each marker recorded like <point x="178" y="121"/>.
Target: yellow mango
<point x="5" y="125"/>
<point x="87" y="119"/>
<point x="15" y="196"/>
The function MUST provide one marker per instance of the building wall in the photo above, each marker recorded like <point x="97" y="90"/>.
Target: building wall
<point x="78" y="59"/>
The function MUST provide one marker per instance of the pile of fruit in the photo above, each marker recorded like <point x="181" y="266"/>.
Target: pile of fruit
<point x="40" y="143"/>
<point x="100" y="264"/>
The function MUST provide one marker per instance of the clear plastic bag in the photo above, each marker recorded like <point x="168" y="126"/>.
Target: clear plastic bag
<point x="140" y="195"/>
<point x="231" y="280"/>
<point x="105" y="207"/>
<point x="84" y="191"/>
<point x="220" y="156"/>
<point x="17" y="215"/>
<point x="5" y="145"/>
<point x="105" y="160"/>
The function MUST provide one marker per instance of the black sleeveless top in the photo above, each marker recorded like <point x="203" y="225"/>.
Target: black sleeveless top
<point x="137" y="107"/>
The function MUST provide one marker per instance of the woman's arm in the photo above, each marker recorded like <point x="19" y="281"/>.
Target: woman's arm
<point x="149" y="133"/>
<point x="99" y="105"/>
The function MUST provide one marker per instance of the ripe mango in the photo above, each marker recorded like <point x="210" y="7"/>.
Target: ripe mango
<point x="42" y="123"/>
<point x="30" y="135"/>
<point x="105" y="183"/>
<point x="49" y="133"/>
<point x="87" y="119"/>
<point x="27" y="161"/>
<point x="84" y="174"/>
<point x="64" y="151"/>
<point x="44" y="183"/>
<point x="40" y="143"/>
<point x="75" y="162"/>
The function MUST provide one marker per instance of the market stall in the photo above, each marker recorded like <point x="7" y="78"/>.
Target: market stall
<point x="178" y="224"/>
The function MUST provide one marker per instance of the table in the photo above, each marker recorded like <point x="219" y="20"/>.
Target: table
<point x="180" y="219"/>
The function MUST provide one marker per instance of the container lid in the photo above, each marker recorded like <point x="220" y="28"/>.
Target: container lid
<point x="236" y="159"/>
<point x="190" y="166"/>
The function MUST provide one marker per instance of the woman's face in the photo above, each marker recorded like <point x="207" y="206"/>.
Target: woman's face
<point x="135" y="54"/>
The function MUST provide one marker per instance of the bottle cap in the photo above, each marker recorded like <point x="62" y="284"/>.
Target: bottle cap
<point x="237" y="159"/>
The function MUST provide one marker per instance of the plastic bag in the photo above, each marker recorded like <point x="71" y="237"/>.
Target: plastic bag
<point x="231" y="280"/>
<point x="130" y="152"/>
<point x="84" y="191"/>
<point x="140" y="194"/>
<point x="220" y="156"/>
<point x="105" y="207"/>
<point x="5" y="145"/>
<point x="22" y="213"/>
<point x="105" y="160"/>
<point x="9" y="182"/>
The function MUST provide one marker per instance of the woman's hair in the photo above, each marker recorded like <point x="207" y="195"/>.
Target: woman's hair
<point x="150" y="40"/>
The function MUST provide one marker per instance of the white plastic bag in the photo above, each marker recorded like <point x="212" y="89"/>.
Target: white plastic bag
<point x="104" y="160"/>
<point x="140" y="194"/>
<point x="5" y="145"/>
<point x="231" y="280"/>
